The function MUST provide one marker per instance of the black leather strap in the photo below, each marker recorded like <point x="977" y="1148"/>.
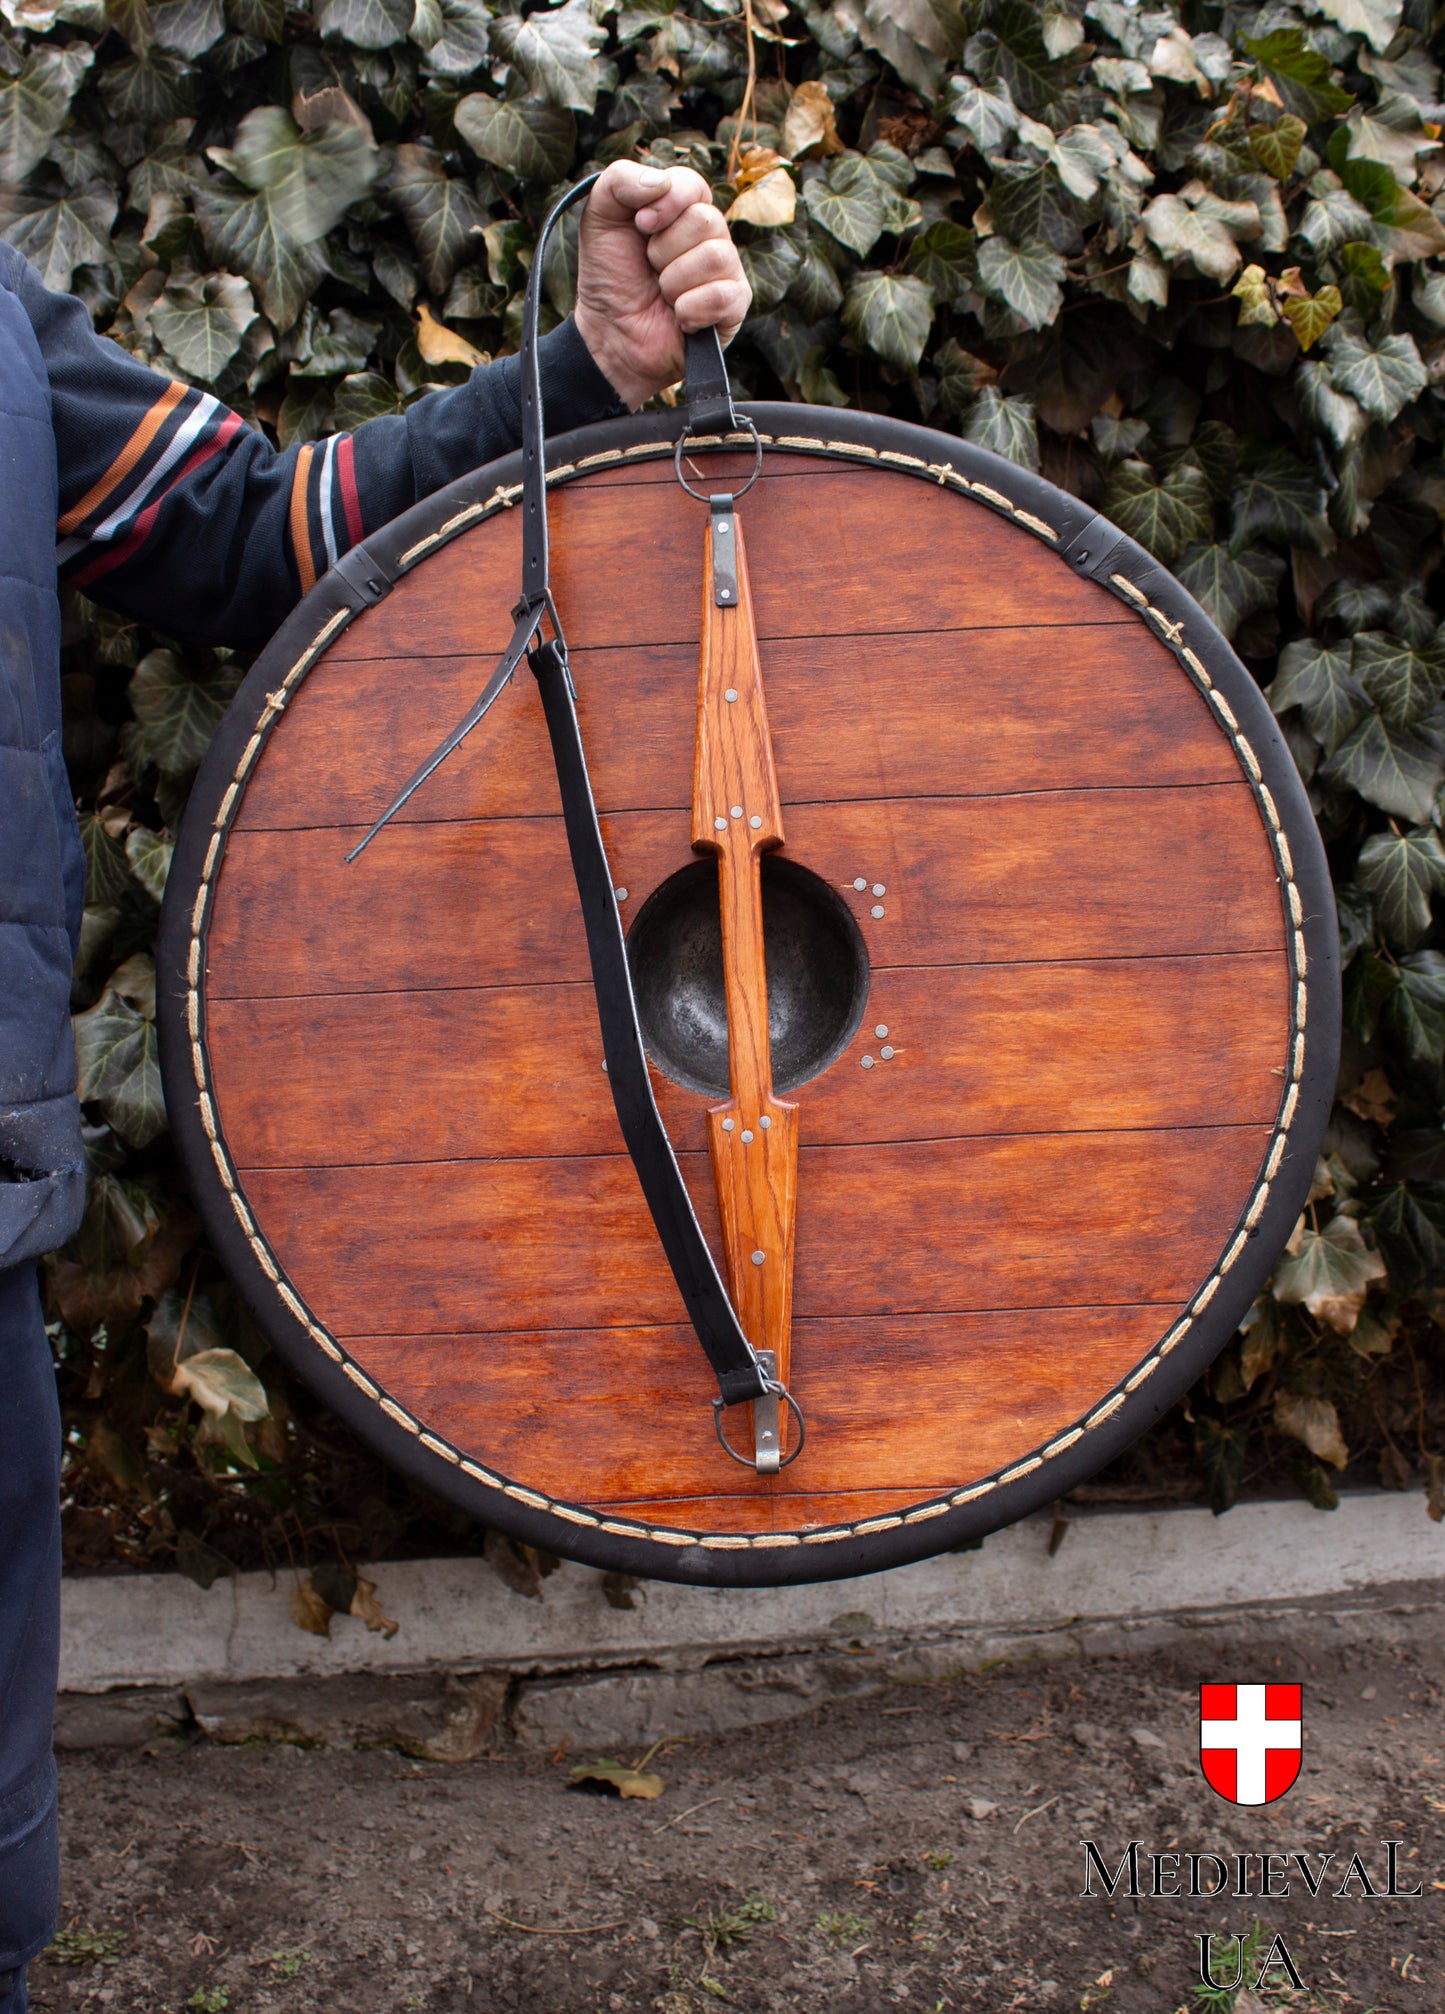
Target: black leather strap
<point x="708" y="409"/>
<point x="733" y="1359"/>
<point x="707" y="394"/>
<point x="739" y="1374"/>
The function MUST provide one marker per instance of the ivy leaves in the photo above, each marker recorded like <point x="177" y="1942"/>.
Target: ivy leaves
<point x="859" y="196"/>
<point x="1403" y="871"/>
<point x="1202" y="230"/>
<point x="33" y="105"/>
<point x="115" y="1043"/>
<point x="1319" y="679"/>
<point x="440" y="210"/>
<point x="176" y="714"/>
<point x="1231" y="586"/>
<point x="202" y="322"/>
<point x="1369" y="704"/>
<point x="1382" y="378"/>
<point x="1027" y="278"/>
<point x="1403" y="682"/>
<point x="366" y="24"/>
<point x="1299" y="73"/>
<point x="1165" y="515"/>
<point x="528" y="137"/>
<point x="1391" y="767"/>
<point x="892" y="313"/>
<point x="555" y="49"/>
<point x="286" y="189"/>
<point x="61" y="232"/>
<point x="1329" y="1272"/>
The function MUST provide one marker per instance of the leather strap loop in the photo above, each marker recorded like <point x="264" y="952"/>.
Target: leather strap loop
<point x="706" y="393"/>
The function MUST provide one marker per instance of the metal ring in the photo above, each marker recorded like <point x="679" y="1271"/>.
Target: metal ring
<point x="683" y="440"/>
<point x="778" y="1391"/>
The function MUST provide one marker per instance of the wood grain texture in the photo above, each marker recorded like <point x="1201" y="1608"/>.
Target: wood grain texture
<point x="1145" y="1043"/>
<point x="1080" y="962"/>
<point x="831" y="542"/>
<point x="1033" y="1221"/>
<point x="1135" y="872"/>
<point x="959" y="713"/>
<point x="736" y="818"/>
<point x="544" y="1403"/>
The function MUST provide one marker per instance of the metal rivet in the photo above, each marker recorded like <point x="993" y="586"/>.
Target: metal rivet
<point x="866" y="1061"/>
<point x="620" y="893"/>
<point x="727" y="1125"/>
<point x="721" y="824"/>
<point x="765" y="1122"/>
<point x="730" y="695"/>
<point x="755" y="822"/>
<point x="879" y="889"/>
<point x="758" y="1258"/>
<point x="722" y="524"/>
<point x="747" y="1136"/>
<point x="881" y="1030"/>
<point x="737" y="811"/>
<point x="724" y="594"/>
<point x="877" y="909"/>
<point x="886" y="1051"/>
<point x="860" y="884"/>
<point x="767" y="1433"/>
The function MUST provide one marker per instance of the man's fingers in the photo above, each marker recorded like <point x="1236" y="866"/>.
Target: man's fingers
<point x="698" y="225"/>
<point x="712" y="260"/>
<point x="719" y="304"/>
<point x="655" y="197"/>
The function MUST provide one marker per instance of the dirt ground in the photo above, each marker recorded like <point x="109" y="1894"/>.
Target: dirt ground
<point x="917" y="1850"/>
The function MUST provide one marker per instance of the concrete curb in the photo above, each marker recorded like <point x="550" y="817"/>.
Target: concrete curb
<point x="1113" y="1571"/>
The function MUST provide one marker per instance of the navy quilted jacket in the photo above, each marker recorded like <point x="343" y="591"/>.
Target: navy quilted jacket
<point x="155" y="499"/>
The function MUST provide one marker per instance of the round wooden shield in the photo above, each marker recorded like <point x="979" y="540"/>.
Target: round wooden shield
<point x="1059" y="1092"/>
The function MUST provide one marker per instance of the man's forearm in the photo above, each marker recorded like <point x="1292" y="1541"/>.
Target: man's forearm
<point x="176" y="512"/>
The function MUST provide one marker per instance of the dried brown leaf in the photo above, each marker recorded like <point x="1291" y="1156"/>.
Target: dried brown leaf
<point x="309" y="1611"/>
<point x="772" y="200"/>
<point x="619" y="1777"/>
<point x="1315" y="1422"/>
<point x="810" y="123"/>
<point x="365" y="1605"/>
<point x="330" y="106"/>
<point x="441" y="345"/>
<point x="1372" y="1099"/>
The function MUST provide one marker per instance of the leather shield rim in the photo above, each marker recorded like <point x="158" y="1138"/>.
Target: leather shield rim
<point x="1088" y="544"/>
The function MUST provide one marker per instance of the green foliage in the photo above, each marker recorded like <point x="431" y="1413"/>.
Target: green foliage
<point x="1185" y="261"/>
<point x="80" y="1945"/>
<point x="722" y="1928"/>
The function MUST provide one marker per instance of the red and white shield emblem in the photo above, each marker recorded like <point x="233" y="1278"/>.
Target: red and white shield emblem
<point x="1250" y="1740"/>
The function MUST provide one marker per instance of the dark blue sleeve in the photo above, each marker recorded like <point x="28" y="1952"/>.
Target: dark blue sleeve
<point x="175" y="511"/>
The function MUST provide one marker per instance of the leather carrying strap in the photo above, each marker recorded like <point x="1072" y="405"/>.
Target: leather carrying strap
<point x="709" y="409"/>
<point x="739" y="1374"/>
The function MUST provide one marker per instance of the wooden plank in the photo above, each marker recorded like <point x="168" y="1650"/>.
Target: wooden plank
<point x="1063" y="875"/>
<point x="910" y="1405"/>
<point x="736" y="818"/>
<point x="830" y="544"/>
<point x="974" y="713"/>
<point x="1041" y="1221"/>
<point x="504" y="1072"/>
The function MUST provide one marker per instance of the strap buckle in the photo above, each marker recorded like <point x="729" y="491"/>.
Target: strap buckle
<point x="767" y="1457"/>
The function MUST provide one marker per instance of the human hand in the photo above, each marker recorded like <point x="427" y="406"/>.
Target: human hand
<point x="655" y="262"/>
